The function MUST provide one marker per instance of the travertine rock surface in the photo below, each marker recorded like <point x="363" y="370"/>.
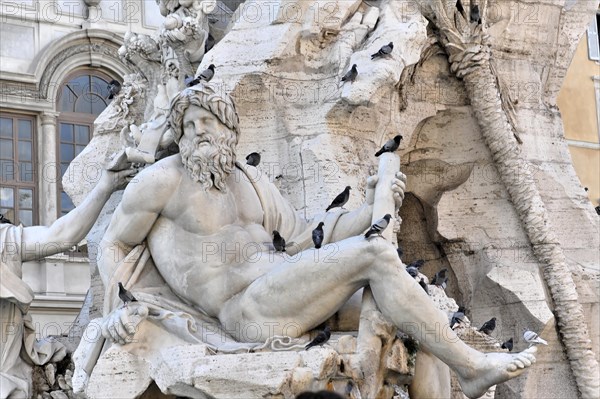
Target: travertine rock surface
<point x="284" y="70"/>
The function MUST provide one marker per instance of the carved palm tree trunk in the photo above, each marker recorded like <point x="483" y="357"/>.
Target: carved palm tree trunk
<point x="469" y="56"/>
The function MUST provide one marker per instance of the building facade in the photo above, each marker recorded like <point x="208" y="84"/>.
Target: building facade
<point x="56" y="61"/>
<point x="579" y="103"/>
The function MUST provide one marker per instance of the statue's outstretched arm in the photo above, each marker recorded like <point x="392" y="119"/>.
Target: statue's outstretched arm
<point x="41" y="241"/>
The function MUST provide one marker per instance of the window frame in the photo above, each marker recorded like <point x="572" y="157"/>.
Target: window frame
<point x="74" y="118"/>
<point x="16" y="183"/>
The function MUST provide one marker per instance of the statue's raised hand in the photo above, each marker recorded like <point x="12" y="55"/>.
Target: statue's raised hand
<point x="122" y="323"/>
<point x="398" y="188"/>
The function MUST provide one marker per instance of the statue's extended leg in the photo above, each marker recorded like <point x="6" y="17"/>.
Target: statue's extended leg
<point x="428" y="368"/>
<point x="300" y="293"/>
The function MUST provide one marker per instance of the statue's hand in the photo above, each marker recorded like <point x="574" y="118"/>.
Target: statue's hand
<point x="398" y="188"/>
<point x="121" y="324"/>
<point x="116" y="180"/>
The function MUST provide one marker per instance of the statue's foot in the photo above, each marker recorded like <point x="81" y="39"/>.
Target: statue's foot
<point x="496" y="368"/>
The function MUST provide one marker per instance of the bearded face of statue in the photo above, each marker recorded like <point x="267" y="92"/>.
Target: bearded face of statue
<point x="206" y="148"/>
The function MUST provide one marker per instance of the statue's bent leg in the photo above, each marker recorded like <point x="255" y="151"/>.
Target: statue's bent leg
<point x="298" y="295"/>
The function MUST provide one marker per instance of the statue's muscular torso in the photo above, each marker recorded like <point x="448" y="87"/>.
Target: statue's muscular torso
<point x="210" y="245"/>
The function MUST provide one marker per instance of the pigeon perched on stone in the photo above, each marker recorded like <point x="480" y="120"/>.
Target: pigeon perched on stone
<point x="532" y="338"/>
<point x="320" y="339"/>
<point x="413" y="268"/>
<point x="190" y="81"/>
<point x="457" y="317"/>
<point x="440" y="279"/>
<point x="114" y="87"/>
<point x="351" y="75"/>
<point x="597" y="209"/>
<point x="507" y="345"/>
<point x="383" y="51"/>
<point x="208" y="73"/>
<point x="488" y="326"/>
<point x="379" y="226"/>
<point x="278" y="242"/>
<point x="317" y="235"/>
<point x="423" y="285"/>
<point x="125" y="295"/>
<point x="390" y="146"/>
<point x="475" y="15"/>
<point x="400" y="252"/>
<point x="253" y="159"/>
<point x="209" y="43"/>
<point x="340" y="200"/>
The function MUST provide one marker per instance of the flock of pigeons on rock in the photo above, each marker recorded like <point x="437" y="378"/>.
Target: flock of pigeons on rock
<point x="384" y="51"/>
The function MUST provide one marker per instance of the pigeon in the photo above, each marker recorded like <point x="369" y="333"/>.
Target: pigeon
<point x="114" y="87"/>
<point x="278" y="242"/>
<point x="440" y="279"/>
<point x="320" y="339"/>
<point x="475" y="16"/>
<point x="383" y="51"/>
<point x="400" y="252"/>
<point x="340" y="200"/>
<point x="4" y="220"/>
<point x="379" y="226"/>
<point x="423" y="285"/>
<point x="253" y="159"/>
<point x="209" y="43"/>
<point x="597" y="209"/>
<point x="507" y="345"/>
<point x="190" y="81"/>
<point x="533" y="338"/>
<point x="390" y="146"/>
<point x="351" y="75"/>
<point x="488" y="326"/>
<point x="413" y="268"/>
<point x="125" y="295"/>
<point x="317" y="235"/>
<point x="208" y="73"/>
<point x="457" y="317"/>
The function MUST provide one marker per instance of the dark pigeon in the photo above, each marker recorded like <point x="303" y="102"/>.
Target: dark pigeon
<point x="440" y="279"/>
<point x="379" y="226"/>
<point x="383" y="51"/>
<point x="457" y="317"/>
<point x="320" y="339"/>
<point x="597" y="209"/>
<point x="423" y="285"/>
<point x="253" y="159"/>
<point x="488" y="326"/>
<point x="4" y="220"/>
<point x="278" y="242"/>
<point x="114" y="87"/>
<point x="125" y="295"/>
<point x="317" y="235"/>
<point x="400" y="252"/>
<point x="475" y="16"/>
<point x="390" y="146"/>
<point x="190" y="81"/>
<point x="507" y="345"/>
<point x="209" y="43"/>
<point x="351" y="75"/>
<point x="340" y="200"/>
<point x="413" y="268"/>
<point x="208" y="73"/>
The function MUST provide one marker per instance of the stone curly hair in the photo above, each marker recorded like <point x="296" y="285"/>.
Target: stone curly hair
<point x="204" y="96"/>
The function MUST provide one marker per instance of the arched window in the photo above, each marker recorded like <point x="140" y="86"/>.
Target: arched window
<point x="81" y="99"/>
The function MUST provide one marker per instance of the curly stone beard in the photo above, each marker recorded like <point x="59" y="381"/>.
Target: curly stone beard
<point x="212" y="169"/>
